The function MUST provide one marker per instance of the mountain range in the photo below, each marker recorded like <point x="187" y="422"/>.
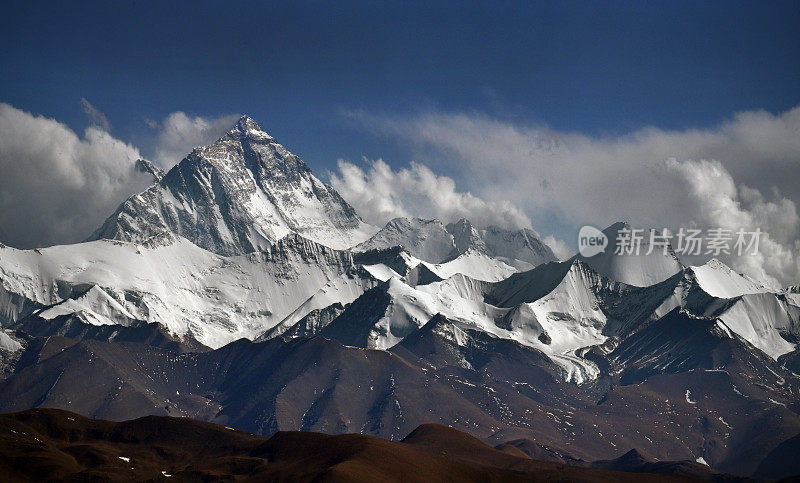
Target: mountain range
<point x="240" y="289"/>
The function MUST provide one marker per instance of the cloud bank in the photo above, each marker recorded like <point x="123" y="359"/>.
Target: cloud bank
<point x="57" y="187"/>
<point x="380" y="194"/>
<point x="740" y="174"/>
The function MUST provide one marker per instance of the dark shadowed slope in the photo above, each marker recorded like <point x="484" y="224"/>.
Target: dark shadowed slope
<point x="49" y="444"/>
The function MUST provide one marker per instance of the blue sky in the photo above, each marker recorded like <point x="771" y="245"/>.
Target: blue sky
<point x="591" y="67"/>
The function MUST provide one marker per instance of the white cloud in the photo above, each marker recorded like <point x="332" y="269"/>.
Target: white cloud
<point x="380" y="194"/>
<point x="559" y="247"/>
<point x="180" y="133"/>
<point x="57" y="187"/>
<point x="716" y="202"/>
<point x="650" y="177"/>
<point x="95" y="116"/>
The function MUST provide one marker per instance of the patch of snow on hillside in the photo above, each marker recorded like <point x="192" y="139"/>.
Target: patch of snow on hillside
<point x="8" y="344"/>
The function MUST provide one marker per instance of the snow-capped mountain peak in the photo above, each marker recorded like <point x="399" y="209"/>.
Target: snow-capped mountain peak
<point x="247" y="126"/>
<point x="238" y="195"/>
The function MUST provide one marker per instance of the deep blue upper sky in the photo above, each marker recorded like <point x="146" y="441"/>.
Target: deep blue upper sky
<point x="593" y="67"/>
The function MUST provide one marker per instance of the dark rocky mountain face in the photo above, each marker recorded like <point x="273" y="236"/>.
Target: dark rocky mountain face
<point x="73" y="327"/>
<point x="495" y="389"/>
<point x="236" y="196"/>
<point x="781" y="461"/>
<point x="791" y="361"/>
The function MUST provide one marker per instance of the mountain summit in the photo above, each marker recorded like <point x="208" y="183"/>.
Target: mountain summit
<point x="238" y="195"/>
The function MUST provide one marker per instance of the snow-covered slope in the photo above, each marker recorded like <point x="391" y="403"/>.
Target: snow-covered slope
<point x="563" y="320"/>
<point x="572" y="301"/>
<point x="386" y="263"/>
<point x="529" y="286"/>
<point x="769" y="321"/>
<point x="424" y="239"/>
<point x="719" y="280"/>
<point x="765" y="321"/>
<point x="94" y="306"/>
<point x="574" y="291"/>
<point x="7" y="343"/>
<point x="236" y="196"/>
<point x="558" y="308"/>
<point x="169" y="280"/>
<point x="341" y="291"/>
<point x="474" y="265"/>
